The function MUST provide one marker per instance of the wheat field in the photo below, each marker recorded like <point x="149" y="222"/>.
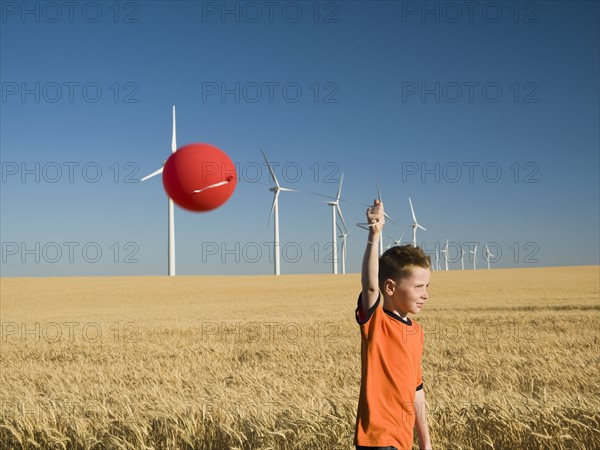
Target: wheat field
<point x="511" y="361"/>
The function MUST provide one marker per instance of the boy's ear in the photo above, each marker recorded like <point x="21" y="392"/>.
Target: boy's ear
<point x="389" y="286"/>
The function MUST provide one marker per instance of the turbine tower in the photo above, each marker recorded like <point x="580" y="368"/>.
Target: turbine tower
<point x="171" y="218"/>
<point x="488" y="254"/>
<point x="335" y="209"/>
<point x="415" y="224"/>
<point x="445" y="252"/>
<point x="462" y="258"/>
<point x="474" y="251"/>
<point x="275" y="212"/>
<point x="437" y="259"/>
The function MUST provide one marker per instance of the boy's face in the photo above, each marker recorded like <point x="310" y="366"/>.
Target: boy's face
<point x="409" y="293"/>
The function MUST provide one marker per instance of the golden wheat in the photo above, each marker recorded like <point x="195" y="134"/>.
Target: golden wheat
<point x="511" y="361"/>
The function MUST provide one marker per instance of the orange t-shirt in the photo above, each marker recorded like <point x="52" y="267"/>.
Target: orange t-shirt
<point x="391" y="350"/>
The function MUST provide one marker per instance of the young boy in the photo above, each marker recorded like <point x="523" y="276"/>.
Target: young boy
<point x="391" y="400"/>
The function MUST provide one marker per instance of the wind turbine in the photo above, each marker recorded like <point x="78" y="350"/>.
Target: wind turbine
<point x="397" y="242"/>
<point x="445" y="252"/>
<point x="171" y="225"/>
<point x="462" y="258"/>
<point x="474" y="251"/>
<point x="437" y="259"/>
<point x="343" y="237"/>
<point x="335" y="209"/>
<point x="415" y="224"/>
<point x="488" y="254"/>
<point x="275" y="212"/>
<point x="367" y="225"/>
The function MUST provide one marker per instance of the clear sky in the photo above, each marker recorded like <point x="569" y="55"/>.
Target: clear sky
<point x="486" y="114"/>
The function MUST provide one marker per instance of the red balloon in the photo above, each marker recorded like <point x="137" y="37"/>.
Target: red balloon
<point x="199" y="177"/>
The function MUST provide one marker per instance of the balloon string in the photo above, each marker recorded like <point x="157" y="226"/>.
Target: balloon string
<point x="220" y="183"/>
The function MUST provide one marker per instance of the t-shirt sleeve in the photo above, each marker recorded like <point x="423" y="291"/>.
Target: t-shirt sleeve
<point x="419" y="378"/>
<point x="362" y="316"/>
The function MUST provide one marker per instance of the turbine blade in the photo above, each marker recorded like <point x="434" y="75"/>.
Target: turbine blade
<point x="412" y="210"/>
<point x="273" y="207"/>
<point x="174" y="138"/>
<point x="389" y="218"/>
<point x="341" y="216"/>
<point x="379" y="193"/>
<point x="422" y="228"/>
<point x="156" y="172"/>
<point x="316" y="193"/>
<point x="270" y="169"/>
<point x="344" y="233"/>
<point x="340" y="188"/>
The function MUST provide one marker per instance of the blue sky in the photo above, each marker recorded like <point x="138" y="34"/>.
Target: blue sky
<point x="485" y="114"/>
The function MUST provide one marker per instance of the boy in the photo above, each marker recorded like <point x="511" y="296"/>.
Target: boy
<point x="391" y="400"/>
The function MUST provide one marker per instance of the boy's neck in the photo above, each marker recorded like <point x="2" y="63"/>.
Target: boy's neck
<point x="388" y="307"/>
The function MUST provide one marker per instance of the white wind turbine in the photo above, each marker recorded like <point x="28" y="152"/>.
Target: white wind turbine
<point x="474" y="251"/>
<point x="488" y="254"/>
<point x="275" y="212"/>
<point x="397" y="242"/>
<point x="335" y="209"/>
<point x="171" y="225"/>
<point x="462" y="258"/>
<point x="415" y="224"/>
<point x="445" y="252"/>
<point x="437" y="259"/>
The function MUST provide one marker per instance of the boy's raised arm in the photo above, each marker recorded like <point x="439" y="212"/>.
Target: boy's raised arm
<point x="370" y="265"/>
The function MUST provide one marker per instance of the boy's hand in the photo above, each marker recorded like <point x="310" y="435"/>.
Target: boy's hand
<point x="375" y="217"/>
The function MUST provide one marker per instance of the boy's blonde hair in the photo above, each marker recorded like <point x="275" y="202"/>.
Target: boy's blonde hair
<point x="398" y="262"/>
